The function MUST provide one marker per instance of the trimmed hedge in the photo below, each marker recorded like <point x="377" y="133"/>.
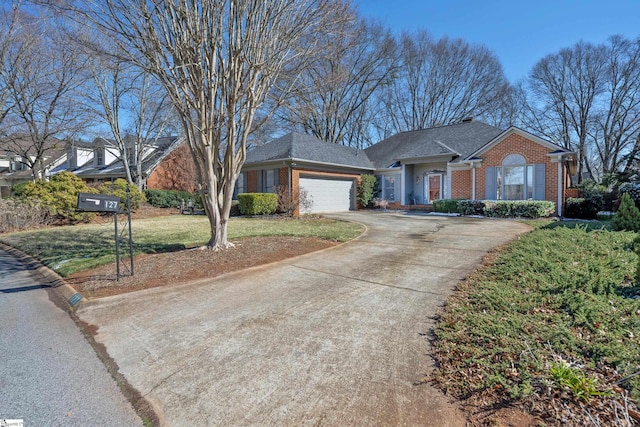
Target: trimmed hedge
<point x="445" y="205"/>
<point x="258" y="203"/>
<point x="518" y="208"/>
<point x="171" y="198"/>
<point x="471" y="207"/>
<point x="496" y="208"/>
<point x="579" y="207"/>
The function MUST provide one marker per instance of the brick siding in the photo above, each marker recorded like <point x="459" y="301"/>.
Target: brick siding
<point x="533" y="152"/>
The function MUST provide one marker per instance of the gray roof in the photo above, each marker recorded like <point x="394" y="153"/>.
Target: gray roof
<point x="163" y="147"/>
<point x="458" y="141"/>
<point x="302" y="147"/>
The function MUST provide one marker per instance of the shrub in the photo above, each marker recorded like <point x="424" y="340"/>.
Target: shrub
<point x="579" y="207"/>
<point x="16" y="214"/>
<point x="18" y="189"/>
<point x="171" y="198"/>
<point x="628" y="216"/>
<point x="518" y="208"/>
<point x="59" y="195"/>
<point x="289" y="202"/>
<point x="235" y="208"/>
<point x="471" y="207"/>
<point x="258" y="203"/>
<point x="367" y="189"/>
<point x="119" y="188"/>
<point x="446" y="205"/>
<point x="633" y="190"/>
<point x="593" y="193"/>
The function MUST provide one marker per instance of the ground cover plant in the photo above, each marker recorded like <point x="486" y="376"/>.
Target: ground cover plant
<point x="552" y="324"/>
<point x="70" y="249"/>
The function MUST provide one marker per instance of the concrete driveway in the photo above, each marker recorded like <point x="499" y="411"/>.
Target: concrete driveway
<point x="338" y="337"/>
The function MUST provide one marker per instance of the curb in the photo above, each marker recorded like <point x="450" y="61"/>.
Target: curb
<point x="51" y="278"/>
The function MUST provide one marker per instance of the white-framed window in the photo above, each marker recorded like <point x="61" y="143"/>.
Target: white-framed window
<point x="270" y="181"/>
<point x="516" y="180"/>
<point x="98" y="154"/>
<point x="390" y="189"/>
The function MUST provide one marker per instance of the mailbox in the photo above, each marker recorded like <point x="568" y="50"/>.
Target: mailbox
<point x="98" y="202"/>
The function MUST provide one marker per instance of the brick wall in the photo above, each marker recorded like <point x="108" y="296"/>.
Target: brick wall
<point x="461" y="185"/>
<point x="175" y="172"/>
<point x="534" y="154"/>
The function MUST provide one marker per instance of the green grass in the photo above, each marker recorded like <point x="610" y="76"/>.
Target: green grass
<point x="560" y="292"/>
<point x="75" y="248"/>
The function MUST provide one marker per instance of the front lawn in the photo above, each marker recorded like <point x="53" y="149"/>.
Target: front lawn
<point x="552" y="324"/>
<point x="75" y="248"/>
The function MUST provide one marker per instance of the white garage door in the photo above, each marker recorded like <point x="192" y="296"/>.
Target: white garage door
<point x="328" y="195"/>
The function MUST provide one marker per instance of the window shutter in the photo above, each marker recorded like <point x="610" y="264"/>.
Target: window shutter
<point x="490" y="183"/>
<point x="260" y="189"/>
<point x="539" y="178"/>
<point x="276" y="180"/>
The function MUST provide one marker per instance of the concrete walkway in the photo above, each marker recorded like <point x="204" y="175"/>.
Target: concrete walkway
<point x="338" y="337"/>
<point x="49" y="374"/>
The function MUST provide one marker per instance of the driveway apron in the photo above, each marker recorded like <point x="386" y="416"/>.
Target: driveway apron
<point x="337" y="337"/>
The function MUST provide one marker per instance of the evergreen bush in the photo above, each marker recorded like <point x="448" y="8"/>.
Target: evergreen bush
<point x="445" y="205"/>
<point x="471" y="207"/>
<point x="60" y="195"/>
<point x="171" y="198"/>
<point x="258" y="203"/>
<point x="628" y="216"/>
<point x="118" y="188"/>
<point x="518" y="208"/>
<point x="367" y="189"/>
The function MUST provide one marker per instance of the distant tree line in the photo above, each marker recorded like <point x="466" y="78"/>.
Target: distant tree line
<point x="227" y="74"/>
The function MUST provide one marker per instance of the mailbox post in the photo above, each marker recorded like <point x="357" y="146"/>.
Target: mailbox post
<point x="104" y="203"/>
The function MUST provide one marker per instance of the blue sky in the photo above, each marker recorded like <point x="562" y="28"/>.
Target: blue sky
<point x="518" y="32"/>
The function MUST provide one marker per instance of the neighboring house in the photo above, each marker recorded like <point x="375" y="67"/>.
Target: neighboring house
<point x="14" y="168"/>
<point x="328" y="172"/>
<point x="470" y="160"/>
<point x="162" y="163"/>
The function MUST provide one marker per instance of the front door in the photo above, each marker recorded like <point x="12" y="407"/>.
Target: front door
<point x="434" y="187"/>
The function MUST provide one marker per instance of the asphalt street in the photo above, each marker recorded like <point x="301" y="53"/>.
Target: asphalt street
<point x="49" y="374"/>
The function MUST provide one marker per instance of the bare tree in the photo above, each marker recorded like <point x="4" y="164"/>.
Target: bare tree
<point x="330" y="100"/>
<point x="133" y="106"/>
<point x="443" y="81"/>
<point x="44" y="73"/>
<point x="565" y="87"/>
<point x="618" y="120"/>
<point x="217" y="60"/>
<point x="9" y="18"/>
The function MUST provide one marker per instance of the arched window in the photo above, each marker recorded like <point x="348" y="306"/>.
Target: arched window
<point x="514" y="159"/>
<point x="515" y="180"/>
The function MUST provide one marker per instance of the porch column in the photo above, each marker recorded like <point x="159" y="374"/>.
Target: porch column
<point x="473" y="181"/>
<point x="402" y="186"/>
<point x="560" y="186"/>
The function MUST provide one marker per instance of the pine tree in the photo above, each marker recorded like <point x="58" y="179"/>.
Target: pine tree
<point x="628" y="216"/>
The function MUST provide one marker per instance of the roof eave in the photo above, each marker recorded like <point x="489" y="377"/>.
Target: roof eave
<point x="293" y="161"/>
